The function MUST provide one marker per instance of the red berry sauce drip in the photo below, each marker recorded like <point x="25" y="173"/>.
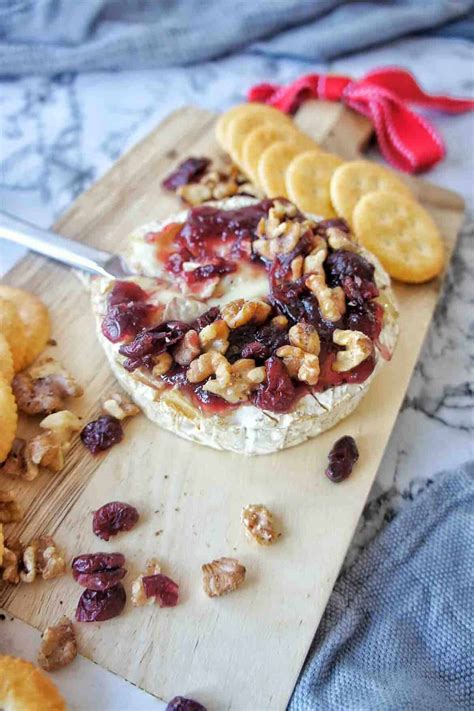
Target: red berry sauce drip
<point x="112" y="518"/>
<point x="101" y="434"/>
<point x="127" y="312"/>
<point x="342" y="457"/>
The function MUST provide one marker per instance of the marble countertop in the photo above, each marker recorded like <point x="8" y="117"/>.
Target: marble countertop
<point x="60" y="134"/>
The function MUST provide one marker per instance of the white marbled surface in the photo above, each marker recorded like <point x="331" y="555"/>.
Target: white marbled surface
<point x="58" y="135"/>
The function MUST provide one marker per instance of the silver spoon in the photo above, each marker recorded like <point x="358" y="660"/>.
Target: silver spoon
<point x="64" y="250"/>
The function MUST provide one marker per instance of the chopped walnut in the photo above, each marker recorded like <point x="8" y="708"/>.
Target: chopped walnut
<point x="188" y="349"/>
<point x="313" y="262"/>
<point x="279" y="233"/>
<point x="15" y="464"/>
<point x="118" y="406"/>
<point x="12" y="561"/>
<point x="358" y="347"/>
<point x="258" y="522"/>
<point x="338" y="239"/>
<point x="42" y="556"/>
<point x="9" y="509"/>
<point x="195" y="193"/>
<point x="163" y="363"/>
<point x="138" y="596"/>
<point x="300" y="365"/>
<point x="280" y="321"/>
<point x="44" y="450"/>
<point x="239" y="312"/>
<point x="63" y="424"/>
<point x="58" y="646"/>
<point x="332" y="302"/>
<point x="297" y="267"/>
<point x="222" y="576"/>
<point x="210" y="363"/>
<point x="304" y="336"/>
<point x="43" y="387"/>
<point x="215" y="336"/>
<point x="244" y="377"/>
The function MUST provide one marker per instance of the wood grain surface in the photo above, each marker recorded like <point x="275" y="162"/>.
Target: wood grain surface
<point x="243" y="651"/>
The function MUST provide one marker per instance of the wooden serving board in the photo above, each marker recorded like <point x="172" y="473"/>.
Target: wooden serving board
<point x="245" y="650"/>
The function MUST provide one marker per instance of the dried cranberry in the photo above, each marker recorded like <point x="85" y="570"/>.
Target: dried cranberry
<point x="125" y="291"/>
<point x="277" y="393"/>
<point x="152" y="342"/>
<point x="255" y="350"/>
<point x="98" y="571"/>
<point x="342" y="263"/>
<point x="92" y="562"/>
<point x="188" y="171"/>
<point x="165" y="590"/>
<point x="218" y="267"/>
<point x="206" y="318"/>
<point x="287" y="299"/>
<point x="342" y="457"/>
<point x="113" y="517"/>
<point x="98" y="606"/>
<point x="358" y="290"/>
<point x="125" y="320"/>
<point x="181" y="703"/>
<point x="101" y="434"/>
<point x="367" y="318"/>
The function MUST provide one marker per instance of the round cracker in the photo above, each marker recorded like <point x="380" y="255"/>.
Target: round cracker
<point x="240" y="127"/>
<point x="35" y="317"/>
<point x="272" y="167"/>
<point x="13" y="329"/>
<point x="7" y="370"/>
<point x="260" y="111"/>
<point x="307" y="181"/>
<point x="24" y="686"/>
<point x="8" y="418"/>
<point x="357" y="178"/>
<point x="401" y="234"/>
<point x="260" y="138"/>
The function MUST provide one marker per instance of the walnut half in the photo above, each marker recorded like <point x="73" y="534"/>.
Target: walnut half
<point x="43" y="387"/>
<point x="58" y="646"/>
<point x="358" y="347"/>
<point x="222" y="576"/>
<point x="10" y="512"/>
<point x="42" y="556"/>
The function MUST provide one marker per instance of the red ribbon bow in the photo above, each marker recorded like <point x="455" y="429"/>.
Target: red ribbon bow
<point x="405" y="138"/>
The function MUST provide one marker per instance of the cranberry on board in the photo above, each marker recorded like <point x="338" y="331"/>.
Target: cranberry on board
<point x="98" y="571"/>
<point x="189" y="171"/>
<point x="101" y="434"/>
<point x="99" y="606"/>
<point x="165" y="590"/>
<point x="112" y="518"/>
<point x="181" y="703"/>
<point x="342" y="457"/>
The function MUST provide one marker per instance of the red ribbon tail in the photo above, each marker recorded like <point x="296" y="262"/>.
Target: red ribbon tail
<point x="404" y="85"/>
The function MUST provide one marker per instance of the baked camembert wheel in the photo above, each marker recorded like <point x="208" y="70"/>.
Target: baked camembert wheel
<point x="253" y="328"/>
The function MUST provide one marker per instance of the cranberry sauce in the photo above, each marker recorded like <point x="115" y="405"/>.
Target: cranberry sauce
<point x="127" y="312"/>
<point x="214" y="238"/>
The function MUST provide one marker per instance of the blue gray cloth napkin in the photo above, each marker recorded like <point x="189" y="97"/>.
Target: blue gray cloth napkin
<point x="52" y="36"/>
<point x="398" y="632"/>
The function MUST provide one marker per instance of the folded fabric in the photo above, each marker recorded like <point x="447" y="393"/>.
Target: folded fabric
<point x="52" y="36"/>
<point x="398" y="631"/>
